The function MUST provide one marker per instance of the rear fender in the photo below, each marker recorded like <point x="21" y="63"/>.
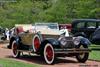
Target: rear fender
<point x="17" y="39"/>
<point x="10" y="43"/>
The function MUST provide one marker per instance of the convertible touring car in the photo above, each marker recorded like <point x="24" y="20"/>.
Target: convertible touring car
<point x="45" y="39"/>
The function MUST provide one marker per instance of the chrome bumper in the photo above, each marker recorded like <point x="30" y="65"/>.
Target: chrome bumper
<point x="85" y="50"/>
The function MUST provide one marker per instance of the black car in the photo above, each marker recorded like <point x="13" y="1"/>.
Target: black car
<point x="96" y="37"/>
<point x="2" y="34"/>
<point x="85" y="27"/>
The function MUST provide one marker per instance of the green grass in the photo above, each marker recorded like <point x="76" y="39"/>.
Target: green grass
<point x="95" y="54"/>
<point x="13" y="63"/>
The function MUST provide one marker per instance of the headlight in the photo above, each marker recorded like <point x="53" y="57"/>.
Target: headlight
<point x="63" y="41"/>
<point x="76" y="41"/>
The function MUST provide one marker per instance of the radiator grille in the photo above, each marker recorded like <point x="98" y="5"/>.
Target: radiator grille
<point x="69" y="43"/>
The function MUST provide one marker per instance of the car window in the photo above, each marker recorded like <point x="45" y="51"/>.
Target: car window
<point x="99" y="25"/>
<point x="91" y="24"/>
<point x="97" y="31"/>
<point x="81" y="25"/>
<point x="47" y="25"/>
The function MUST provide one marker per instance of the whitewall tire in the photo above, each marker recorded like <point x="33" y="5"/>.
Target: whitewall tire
<point x="15" y="51"/>
<point x="48" y="53"/>
<point x="36" y="43"/>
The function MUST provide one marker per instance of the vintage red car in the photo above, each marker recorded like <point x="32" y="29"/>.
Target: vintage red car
<point x="45" y="39"/>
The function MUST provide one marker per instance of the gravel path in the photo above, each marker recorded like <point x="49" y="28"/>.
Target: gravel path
<point x="60" y="62"/>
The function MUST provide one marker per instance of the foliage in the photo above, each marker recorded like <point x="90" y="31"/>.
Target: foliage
<point x="62" y="11"/>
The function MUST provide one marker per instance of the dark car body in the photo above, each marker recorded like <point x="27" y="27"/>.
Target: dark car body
<point x="2" y="34"/>
<point x="85" y="27"/>
<point x="96" y="37"/>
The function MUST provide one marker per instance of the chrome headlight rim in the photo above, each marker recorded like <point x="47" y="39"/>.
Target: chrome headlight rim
<point x="63" y="41"/>
<point x="76" y="41"/>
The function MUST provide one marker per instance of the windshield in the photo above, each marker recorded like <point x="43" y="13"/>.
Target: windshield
<point x="47" y="25"/>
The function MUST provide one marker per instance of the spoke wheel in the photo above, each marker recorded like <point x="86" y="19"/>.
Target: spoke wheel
<point x="49" y="53"/>
<point x="81" y="54"/>
<point x="36" y="43"/>
<point x="14" y="50"/>
<point x="82" y="57"/>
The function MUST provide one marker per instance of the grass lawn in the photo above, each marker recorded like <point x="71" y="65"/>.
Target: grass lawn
<point x="95" y="54"/>
<point x="13" y="63"/>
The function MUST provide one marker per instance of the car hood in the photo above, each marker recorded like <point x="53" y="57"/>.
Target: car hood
<point x="53" y="32"/>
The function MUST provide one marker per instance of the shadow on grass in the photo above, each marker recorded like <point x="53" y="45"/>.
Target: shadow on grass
<point x="96" y="49"/>
<point x="39" y="60"/>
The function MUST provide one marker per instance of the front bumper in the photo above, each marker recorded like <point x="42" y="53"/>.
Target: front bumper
<point x="74" y="50"/>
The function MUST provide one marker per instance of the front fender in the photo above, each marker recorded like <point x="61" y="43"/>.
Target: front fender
<point x="54" y="42"/>
<point x="85" y="41"/>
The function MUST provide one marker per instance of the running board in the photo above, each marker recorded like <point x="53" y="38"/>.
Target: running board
<point x="72" y="50"/>
<point x="25" y="51"/>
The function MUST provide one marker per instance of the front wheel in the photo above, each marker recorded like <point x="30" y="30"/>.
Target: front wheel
<point x="15" y="51"/>
<point x="82" y="57"/>
<point x="48" y="53"/>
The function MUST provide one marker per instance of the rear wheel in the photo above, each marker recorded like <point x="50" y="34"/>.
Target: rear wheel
<point x="82" y="57"/>
<point x="15" y="51"/>
<point x="48" y="53"/>
<point x="36" y="43"/>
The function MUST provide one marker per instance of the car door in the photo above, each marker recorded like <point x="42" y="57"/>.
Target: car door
<point x="90" y="28"/>
<point x="96" y="37"/>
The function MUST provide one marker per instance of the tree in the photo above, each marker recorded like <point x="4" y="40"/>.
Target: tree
<point x="62" y="11"/>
